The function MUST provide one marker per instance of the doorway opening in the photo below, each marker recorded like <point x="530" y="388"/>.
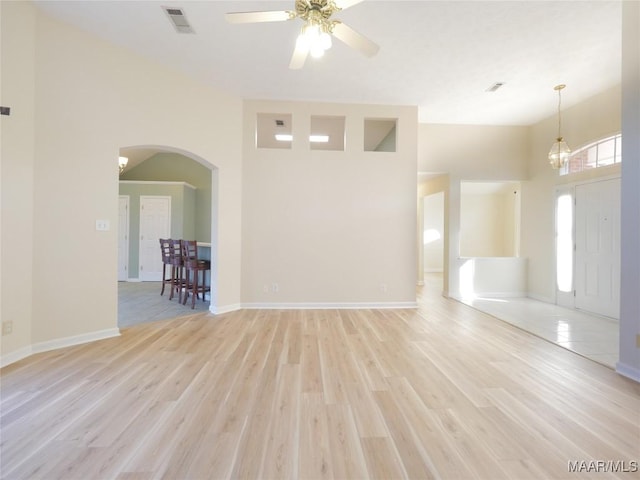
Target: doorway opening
<point x="186" y="186"/>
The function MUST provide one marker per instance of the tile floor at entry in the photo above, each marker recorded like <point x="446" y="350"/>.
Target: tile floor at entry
<point x="591" y="336"/>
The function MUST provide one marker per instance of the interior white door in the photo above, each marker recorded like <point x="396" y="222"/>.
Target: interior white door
<point x="155" y="223"/>
<point x="123" y="238"/>
<point x="597" y="257"/>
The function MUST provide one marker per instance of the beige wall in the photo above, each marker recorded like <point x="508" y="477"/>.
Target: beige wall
<point x="77" y="100"/>
<point x="474" y="152"/>
<point x="329" y="228"/>
<point x="487" y="225"/>
<point x="16" y="172"/>
<point x="467" y="152"/>
<point x="91" y="99"/>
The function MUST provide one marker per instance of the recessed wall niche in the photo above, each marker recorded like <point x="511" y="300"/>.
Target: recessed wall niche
<point x="327" y="133"/>
<point x="273" y="130"/>
<point x="380" y="134"/>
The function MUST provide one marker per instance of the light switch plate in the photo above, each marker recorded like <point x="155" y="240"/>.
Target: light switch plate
<point x="102" y="225"/>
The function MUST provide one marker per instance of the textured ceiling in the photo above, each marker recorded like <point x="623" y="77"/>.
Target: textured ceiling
<point x="440" y="56"/>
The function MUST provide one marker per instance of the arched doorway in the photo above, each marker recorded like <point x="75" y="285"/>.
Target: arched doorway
<point x="189" y="184"/>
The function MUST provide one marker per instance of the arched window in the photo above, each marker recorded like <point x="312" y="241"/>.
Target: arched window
<point x="598" y="154"/>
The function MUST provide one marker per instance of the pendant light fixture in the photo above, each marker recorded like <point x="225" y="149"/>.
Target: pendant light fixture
<point x="560" y="151"/>
<point x="122" y="163"/>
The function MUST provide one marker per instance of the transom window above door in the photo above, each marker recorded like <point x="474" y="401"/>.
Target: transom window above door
<point x="607" y="151"/>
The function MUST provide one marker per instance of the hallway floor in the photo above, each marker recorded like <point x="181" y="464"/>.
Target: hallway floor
<point x="141" y="302"/>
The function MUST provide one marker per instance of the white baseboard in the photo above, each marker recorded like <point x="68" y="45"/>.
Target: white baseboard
<point x="75" y="340"/>
<point x="540" y="298"/>
<point x="501" y="295"/>
<point x="628" y="371"/>
<point x="57" y="344"/>
<point x="328" y="306"/>
<point x="15" y="356"/>
<point x="224" y="309"/>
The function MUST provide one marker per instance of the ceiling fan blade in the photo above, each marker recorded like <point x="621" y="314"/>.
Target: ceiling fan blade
<point x="256" y="17"/>
<point x="354" y="39"/>
<point x="344" y="4"/>
<point x="299" y="56"/>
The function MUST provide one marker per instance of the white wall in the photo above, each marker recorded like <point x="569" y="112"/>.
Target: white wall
<point x="493" y="277"/>
<point x="329" y="228"/>
<point x="91" y="99"/>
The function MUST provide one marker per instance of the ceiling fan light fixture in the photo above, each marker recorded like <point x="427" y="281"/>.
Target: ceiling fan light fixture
<point x="319" y="27"/>
<point x="315" y="38"/>
<point x="316" y="52"/>
<point x="325" y="38"/>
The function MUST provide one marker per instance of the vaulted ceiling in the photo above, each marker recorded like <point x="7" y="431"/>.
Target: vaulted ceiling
<point x="439" y="55"/>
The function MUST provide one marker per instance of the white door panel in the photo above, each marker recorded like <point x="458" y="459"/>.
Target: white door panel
<point x="155" y="223"/>
<point x="597" y="256"/>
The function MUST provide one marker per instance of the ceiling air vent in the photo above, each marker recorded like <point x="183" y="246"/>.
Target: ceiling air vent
<point x="178" y="20"/>
<point x="494" y="87"/>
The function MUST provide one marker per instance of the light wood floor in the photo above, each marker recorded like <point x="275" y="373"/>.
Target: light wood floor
<point x="442" y="391"/>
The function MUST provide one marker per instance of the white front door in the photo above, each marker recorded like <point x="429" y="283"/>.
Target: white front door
<point x="597" y="256"/>
<point x="123" y="238"/>
<point x="155" y="223"/>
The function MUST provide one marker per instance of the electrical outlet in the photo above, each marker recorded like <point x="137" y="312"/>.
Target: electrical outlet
<point x="274" y="287"/>
<point x="265" y="289"/>
<point x="383" y="287"/>
<point x="7" y="328"/>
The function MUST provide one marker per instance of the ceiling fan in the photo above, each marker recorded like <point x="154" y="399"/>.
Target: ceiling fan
<point x="317" y="30"/>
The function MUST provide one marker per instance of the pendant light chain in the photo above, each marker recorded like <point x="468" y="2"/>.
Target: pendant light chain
<point x="559" y="116"/>
<point x="560" y="151"/>
<point x="559" y="89"/>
